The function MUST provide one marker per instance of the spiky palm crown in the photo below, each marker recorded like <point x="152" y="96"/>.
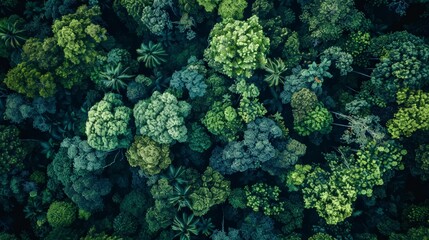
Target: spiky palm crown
<point x="185" y="226"/>
<point x="152" y="54"/>
<point x="176" y="175"/>
<point x="275" y="69"/>
<point x="12" y="36"/>
<point x="114" y="77"/>
<point x="205" y="226"/>
<point x="181" y="196"/>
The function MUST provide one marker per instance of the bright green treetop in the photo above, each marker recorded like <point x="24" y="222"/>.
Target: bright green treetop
<point x="412" y="115"/>
<point x="77" y="34"/>
<point x="237" y="47"/>
<point x="264" y="198"/>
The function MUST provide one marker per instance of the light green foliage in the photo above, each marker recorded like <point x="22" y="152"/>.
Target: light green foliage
<point x="46" y="54"/>
<point x="328" y="19"/>
<point x="227" y="8"/>
<point x="61" y="214"/>
<point x="199" y="140"/>
<point x="342" y="60"/>
<point x="250" y="108"/>
<point x="66" y="59"/>
<point x="27" y="80"/>
<point x="147" y="154"/>
<point x="309" y="115"/>
<point x="84" y="157"/>
<point x="388" y="155"/>
<point x="404" y="63"/>
<point x="296" y="177"/>
<point x="125" y="224"/>
<point x="162" y="118"/>
<point x="275" y="68"/>
<point x="13" y="150"/>
<point x="222" y="120"/>
<point x="357" y="43"/>
<point x="264" y="198"/>
<point x="369" y="164"/>
<point x="318" y="120"/>
<point x="232" y="8"/>
<point x="209" y="5"/>
<point x="321" y="236"/>
<point x="412" y="114"/>
<point x="107" y="127"/>
<point x="213" y="189"/>
<point x="151" y="54"/>
<point x="332" y="193"/>
<point x="237" y="47"/>
<point x="77" y="35"/>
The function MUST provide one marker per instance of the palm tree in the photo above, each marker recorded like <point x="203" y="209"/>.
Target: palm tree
<point x="275" y="69"/>
<point x="113" y="78"/>
<point x="12" y="36"/>
<point x="152" y="54"/>
<point x="185" y="226"/>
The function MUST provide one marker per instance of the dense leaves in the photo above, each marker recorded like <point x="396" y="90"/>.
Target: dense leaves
<point x="214" y="119"/>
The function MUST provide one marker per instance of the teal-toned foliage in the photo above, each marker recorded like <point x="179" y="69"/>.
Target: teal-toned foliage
<point x="162" y="118"/>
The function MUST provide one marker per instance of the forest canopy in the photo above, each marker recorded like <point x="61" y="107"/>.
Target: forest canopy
<point x="214" y="119"/>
